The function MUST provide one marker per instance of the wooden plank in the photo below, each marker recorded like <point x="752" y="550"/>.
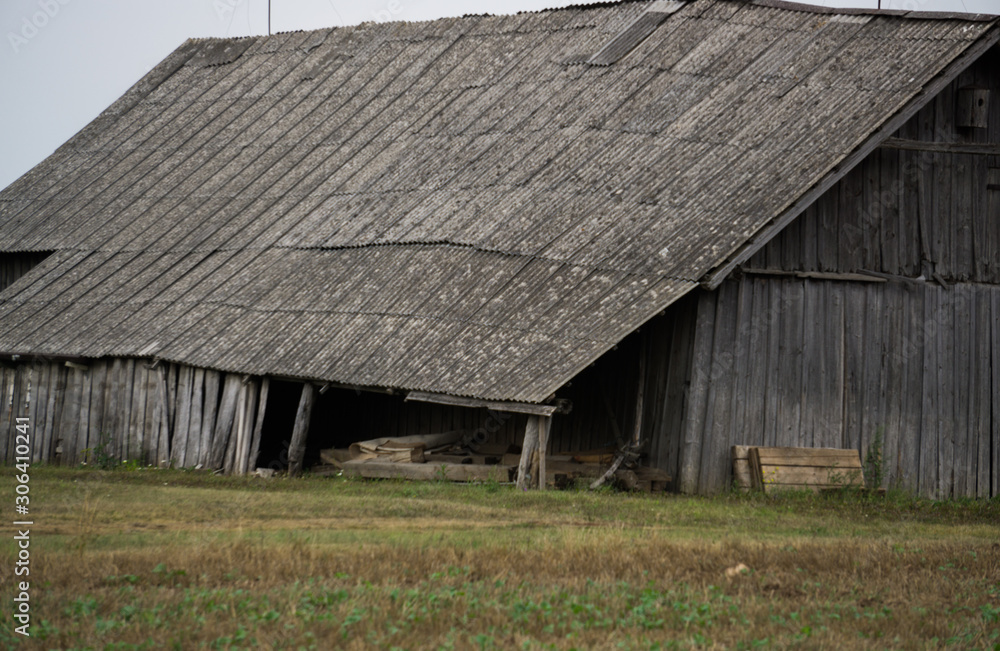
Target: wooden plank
<point x="995" y="336"/>
<point x="230" y="465"/>
<point x="6" y="415"/>
<point x="962" y="148"/>
<point x="928" y="471"/>
<point x="694" y="424"/>
<point x="515" y="407"/>
<point x="243" y="452"/>
<point x="300" y="430"/>
<point x="893" y="345"/>
<point x="137" y="413"/>
<point x="213" y="382"/>
<point x="946" y="394"/>
<point x="808" y="457"/>
<point x="57" y="386"/>
<point x="83" y="432"/>
<point x="718" y="416"/>
<point x="111" y="420"/>
<point x="182" y="421"/>
<point x="463" y="472"/>
<point x="755" y="390"/>
<point x="150" y="425"/>
<point x="888" y="197"/>
<point x="258" y="428"/>
<point x="715" y="277"/>
<point x="981" y="389"/>
<point x="224" y="423"/>
<point x="68" y="430"/>
<point x="963" y="406"/>
<point x="164" y="407"/>
<point x="40" y="389"/>
<point x="811" y="475"/>
<point x="194" y="437"/>
<point x="529" y="450"/>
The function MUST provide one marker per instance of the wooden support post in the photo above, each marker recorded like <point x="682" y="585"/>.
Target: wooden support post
<point x="297" y="448"/>
<point x="528" y="450"/>
<point x="544" y="426"/>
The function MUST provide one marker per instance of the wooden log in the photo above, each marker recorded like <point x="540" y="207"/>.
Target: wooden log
<point x="374" y="469"/>
<point x="528" y="449"/>
<point x="258" y="428"/>
<point x="300" y="431"/>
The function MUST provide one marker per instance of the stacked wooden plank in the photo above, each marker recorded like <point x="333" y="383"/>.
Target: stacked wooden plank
<point x="770" y="469"/>
<point x="486" y="465"/>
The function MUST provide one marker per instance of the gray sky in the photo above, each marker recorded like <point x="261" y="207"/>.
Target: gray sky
<point x="64" y="61"/>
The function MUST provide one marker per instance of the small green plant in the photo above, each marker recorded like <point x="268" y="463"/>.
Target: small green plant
<point x="441" y="474"/>
<point x="100" y="456"/>
<point x="874" y="468"/>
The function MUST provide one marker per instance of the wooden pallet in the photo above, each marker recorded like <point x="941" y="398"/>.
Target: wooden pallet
<point x="816" y="469"/>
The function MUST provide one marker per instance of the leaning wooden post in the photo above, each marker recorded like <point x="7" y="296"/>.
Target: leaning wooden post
<point x="528" y="450"/>
<point x="297" y="448"/>
<point x="544" y="426"/>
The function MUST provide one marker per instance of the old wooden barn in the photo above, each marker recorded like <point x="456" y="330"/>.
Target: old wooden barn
<point x="699" y="223"/>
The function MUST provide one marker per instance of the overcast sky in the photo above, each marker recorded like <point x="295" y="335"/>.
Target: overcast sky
<point x="64" y="61"/>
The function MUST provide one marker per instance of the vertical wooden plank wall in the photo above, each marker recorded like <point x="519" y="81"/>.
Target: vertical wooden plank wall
<point x="909" y="361"/>
<point x="127" y="410"/>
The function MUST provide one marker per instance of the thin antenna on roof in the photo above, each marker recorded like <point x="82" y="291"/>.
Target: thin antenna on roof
<point x="269" y="16"/>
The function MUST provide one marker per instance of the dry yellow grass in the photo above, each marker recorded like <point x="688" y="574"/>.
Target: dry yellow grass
<point x="124" y="562"/>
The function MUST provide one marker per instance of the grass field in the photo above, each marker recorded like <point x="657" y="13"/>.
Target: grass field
<point x="155" y="559"/>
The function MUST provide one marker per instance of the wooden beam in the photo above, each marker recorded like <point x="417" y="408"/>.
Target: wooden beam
<point x="374" y="469"/>
<point x="297" y="448"/>
<point x="819" y="275"/>
<point x="456" y="401"/>
<point x="714" y="278"/>
<point x="974" y="149"/>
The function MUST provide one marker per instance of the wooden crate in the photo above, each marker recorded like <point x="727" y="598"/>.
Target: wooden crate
<point x="813" y="469"/>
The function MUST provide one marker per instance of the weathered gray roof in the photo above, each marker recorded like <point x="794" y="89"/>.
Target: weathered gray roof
<point x="460" y="206"/>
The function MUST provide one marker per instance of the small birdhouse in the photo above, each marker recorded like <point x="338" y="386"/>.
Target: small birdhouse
<point x="973" y="107"/>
